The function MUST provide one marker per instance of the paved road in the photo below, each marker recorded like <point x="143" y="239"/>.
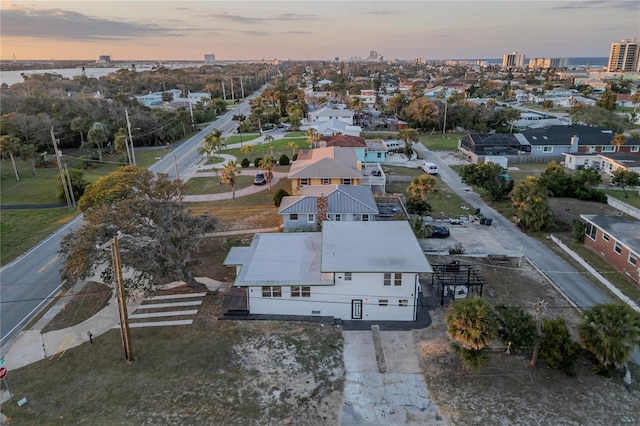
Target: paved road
<point x="29" y="281"/>
<point x="578" y="289"/>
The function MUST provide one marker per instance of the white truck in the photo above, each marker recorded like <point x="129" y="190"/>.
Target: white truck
<point x="430" y="168"/>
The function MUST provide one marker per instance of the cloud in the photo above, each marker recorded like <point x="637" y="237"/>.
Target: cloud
<point x="281" y="17"/>
<point x="61" y="24"/>
<point x="575" y="5"/>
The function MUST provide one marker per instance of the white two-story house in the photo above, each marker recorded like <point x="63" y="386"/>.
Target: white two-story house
<point x="350" y="271"/>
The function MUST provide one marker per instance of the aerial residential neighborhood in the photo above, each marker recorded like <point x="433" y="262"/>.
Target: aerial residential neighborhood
<point x="246" y="214"/>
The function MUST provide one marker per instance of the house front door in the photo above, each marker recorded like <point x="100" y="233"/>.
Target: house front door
<point x="356" y="309"/>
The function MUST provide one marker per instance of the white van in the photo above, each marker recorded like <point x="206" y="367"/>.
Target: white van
<point x="430" y="168"/>
<point x="391" y="145"/>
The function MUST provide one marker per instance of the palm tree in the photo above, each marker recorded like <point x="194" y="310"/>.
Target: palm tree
<point x="10" y="146"/>
<point x="422" y="185"/>
<point x="268" y="139"/>
<point x="409" y="135"/>
<point x="211" y="143"/>
<point x="471" y="324"/>
<point x="312" y="137"/>
<point x="229" y="176"/>
<point x="97" y="137"/>
<point x="635" y="99"/>
<point x="618" y="140"/>
<point x="29" y="154"/>
<point x="610" y="332"/>
<point x="529" y="198"/>
<point x="511" y="115"/>
<point x="246" y="149"/>
<point x="266" y="165"/>
<point x="293" y="147"/>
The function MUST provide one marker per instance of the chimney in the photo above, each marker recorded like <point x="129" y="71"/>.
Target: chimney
<point x="574" y="143"/>
<point x="322" y="203"/>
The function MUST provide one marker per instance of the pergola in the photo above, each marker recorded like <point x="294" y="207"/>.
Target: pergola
<point x="456" y="281"/>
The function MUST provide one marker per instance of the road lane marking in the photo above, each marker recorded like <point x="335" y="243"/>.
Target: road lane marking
<point x="49" y="263"/>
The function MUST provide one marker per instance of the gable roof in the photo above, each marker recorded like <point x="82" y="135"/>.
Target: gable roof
<point x="340" y="198"/>
<point x="332" y="112"/>
<point x="561" y="135"/>
<point x="371" y="247"/>
<point x="329" y="162"/>
<point x="344" y="141"/>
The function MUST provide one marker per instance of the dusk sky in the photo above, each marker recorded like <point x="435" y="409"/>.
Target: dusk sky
<point x="186" y="30"/>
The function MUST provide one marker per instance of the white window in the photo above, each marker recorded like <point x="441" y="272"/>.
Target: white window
<point x="632" y="259"/>
<point x="605" y="236"/>
<point x="387" y="279"/>
<point x="348" y="276"/>
<point x="547" y="149"/>
<point x="271" y="291"/>
<point x="293" y="216"/>
<point x="403" y="302"/>
<point x="635" y="148"/>
<point x="617" y="248"/>
<point x="337" y="217"/>
<point x="591" y="231"/>
<point x="383" y="302"/>
<point x="326" y="181"/>
<point x="365" y="218"/>
<point x="346" y="181"/>
<point x="311" y="218"/>
<point x="397" y="279"/>
<point x="300" y="291"/>
<point x="609" y="148"/>
<point x="379" y="156"/>
<point x="304" y="181"/>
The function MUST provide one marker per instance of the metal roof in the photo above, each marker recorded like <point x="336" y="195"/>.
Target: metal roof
<point x="341" y="199"/>
<point x="283" y="259"/>
<point x="371" y="247"/>
<point x="330" y="162"/>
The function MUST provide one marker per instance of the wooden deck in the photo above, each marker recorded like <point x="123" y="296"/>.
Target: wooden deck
<point x="235" y="303"/>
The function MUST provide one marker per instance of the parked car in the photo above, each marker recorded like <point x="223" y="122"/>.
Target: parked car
<point x="259" y="179"/>
<point x="430" y="168"/>
<point x="439" y="232"/>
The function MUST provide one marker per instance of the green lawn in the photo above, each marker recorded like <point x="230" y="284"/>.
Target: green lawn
<point x="295" y="135"/>
<point x="245" y="137"/>
<point x="633" y="196"/>
<point x="212" y="185"/>
<point x="279" y="146"/>
<point x="439" y="142"/>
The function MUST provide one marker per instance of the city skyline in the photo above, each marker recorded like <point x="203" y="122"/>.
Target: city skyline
<point x="320" y="30"/>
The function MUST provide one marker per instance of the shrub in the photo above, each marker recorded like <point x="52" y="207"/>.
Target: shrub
<point x="277" y="197"/>
<point x="417" y="206"/>
<point x="257" y="161"/>
<point x="578" y="229"/>
<point x="517" y="327"/>
<point x="245" y="163"/>
<point x="458" y="249"/>
<point x="557" y="348"/>
<point x="284" y="160"/>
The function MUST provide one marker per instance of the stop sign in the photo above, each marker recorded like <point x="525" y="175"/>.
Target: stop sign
<point x="3" y="373"/>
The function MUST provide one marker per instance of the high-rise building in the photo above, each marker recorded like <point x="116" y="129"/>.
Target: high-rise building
<point x="209" y="58"/>
<point x="545" y="63"/>
<point x="515" y="60"/>
<point x="625" y="56"/>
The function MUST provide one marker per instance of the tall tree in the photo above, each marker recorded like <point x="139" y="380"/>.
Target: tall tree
<point x="611" y="332"/>
<point x="409" y="135"/>
<point x="29" y="153"/>
<point x="472" y="325"/>
<point x="9" y="147"/>
<point x="80" y="125"/>
<point x="211" y="143"/>
<point x="312" y="137"/>
<point x="160" y="235"/>
<point x="229" y="176"/>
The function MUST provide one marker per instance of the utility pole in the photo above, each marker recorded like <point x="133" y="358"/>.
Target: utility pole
<point x="233" y="97"/>
<point x="224" y="94"/>
<point x="175" y="166"/>
<point x="122" y="302"/>
<point x="73" y="196"/>
<point x="132" y="159"/>
<point x="444" y="126"/>
<point x="59" y="161"/>
<point x="242" y="87"/>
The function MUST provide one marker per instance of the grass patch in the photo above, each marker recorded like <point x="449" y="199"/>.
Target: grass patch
<point x="439" y="142"/>
<point x="245" y="137"/>
<point x="295" y="135"/>
<point x="279" y="147"/>
<point x="89" y="301"/>
<point x="212" y="185"/>
<point x="632" y="200"/>
<point x="23" y="229"/>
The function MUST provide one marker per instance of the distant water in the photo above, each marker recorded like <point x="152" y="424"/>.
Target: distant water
<point x="592" y="62"/>
<point x="13" y="77"/>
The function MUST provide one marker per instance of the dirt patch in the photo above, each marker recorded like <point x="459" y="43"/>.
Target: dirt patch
<point x="507" y="391"/>
<point x="78" y="307"/>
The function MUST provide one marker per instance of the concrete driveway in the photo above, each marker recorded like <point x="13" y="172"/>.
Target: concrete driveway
<point x="384" y="384"/>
